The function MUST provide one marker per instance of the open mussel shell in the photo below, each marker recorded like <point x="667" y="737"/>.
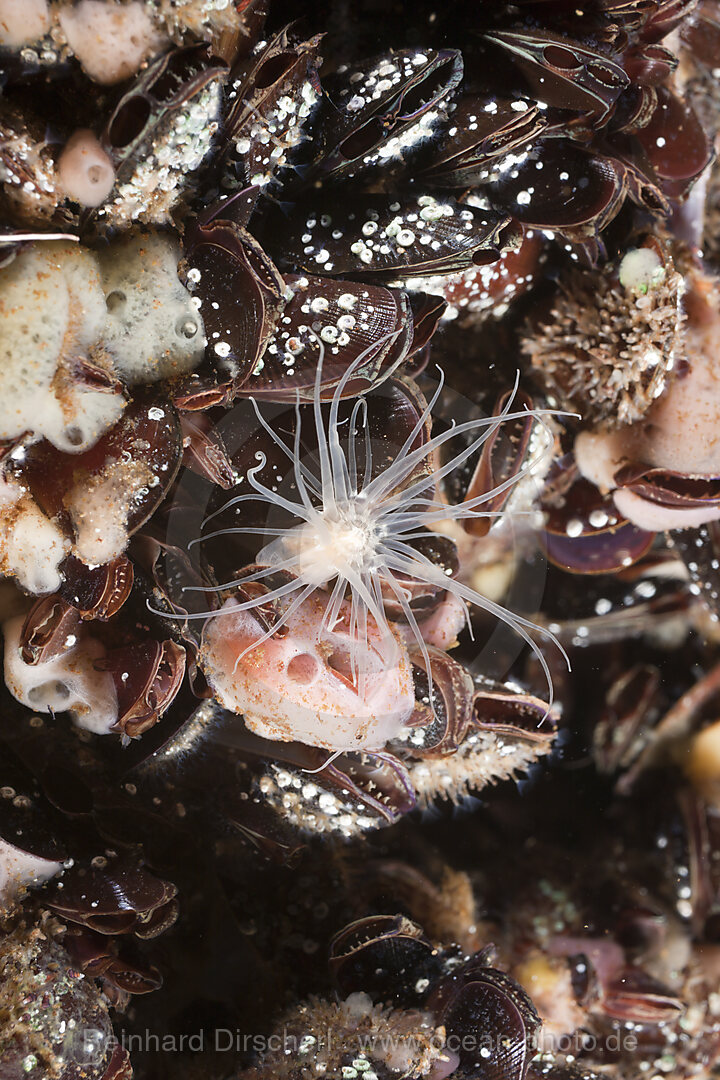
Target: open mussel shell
<point x="166" y="121"/>
<point x="565" y="74"/>
<point x="438" y="726"/>
<point x="386" y="956"/>
<point x="382" y="108"/>
<point x="584" y="532"/>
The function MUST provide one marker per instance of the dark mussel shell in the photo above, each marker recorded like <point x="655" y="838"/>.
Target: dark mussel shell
<point x="394" y="237"/>
<point x="493" y="1013"/>
<point x="240" y="294"/>
<point x="159" y="92"/>
<point x="635" y="997"/>
<point x="584" y="533"/>
<point x="117" y="898"/>
<point x="565" y="74"/>
<point x="48" y="626"/>
<point x="271" y="96"/>
<point x="574" y="191"/>
<point x="387" y="956"/>
<point x="675" y="144"/>
<point x="502" y="709"/>
<point x="445" y="719"/>
<point x="96" y="592"/>
<point x="346" y="325"/>
<point x="147" y="677"/>
<point x="96" y="956"/>
<point x="482" y="131"/>
<point x="619" y="732"/>
<point x="383" y="107"/>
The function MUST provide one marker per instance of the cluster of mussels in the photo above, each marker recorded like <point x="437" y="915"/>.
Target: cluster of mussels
<point x="359" y="540"/>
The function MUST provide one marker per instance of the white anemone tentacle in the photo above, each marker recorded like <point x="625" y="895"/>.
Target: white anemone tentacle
<point x="256" y="601"/>
<point x="258" y="575"/>
<point x="284" y="617"/>
<point x="352" y="536"/>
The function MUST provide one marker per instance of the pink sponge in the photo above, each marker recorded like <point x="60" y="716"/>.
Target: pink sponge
<point x="86" y="172"/>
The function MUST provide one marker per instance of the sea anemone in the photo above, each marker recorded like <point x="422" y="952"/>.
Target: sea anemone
<point x="233" y="236"/>
<point x="355" y="541"/>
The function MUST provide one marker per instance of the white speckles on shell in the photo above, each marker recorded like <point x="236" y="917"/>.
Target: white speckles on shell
<point x="399" y="146"/>
<point x="161" y="171"/>
<point x="152" y="331"/>
<point x="319" y="311"/>
<point x="394" y="236"/>
<point x="314" y="809"/>
<point x="268" y="140"/>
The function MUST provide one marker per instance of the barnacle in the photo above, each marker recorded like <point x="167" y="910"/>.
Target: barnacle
<point x="613" y="337"/>
<point x="642" y="463"/>
<point x="356" y="1022"/>
<point x="49" y="1008"/>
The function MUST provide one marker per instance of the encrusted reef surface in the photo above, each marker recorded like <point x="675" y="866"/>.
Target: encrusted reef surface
<point x="359" y="540"/>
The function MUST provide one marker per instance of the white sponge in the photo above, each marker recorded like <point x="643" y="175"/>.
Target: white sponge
<point x="31" y="546"/>
<point x="110" y="40"/>
<point x="66" y="683"/>
<point x="153" y="330"/>
<point x="51" y="309"/>
<point x="23" y="21"/>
